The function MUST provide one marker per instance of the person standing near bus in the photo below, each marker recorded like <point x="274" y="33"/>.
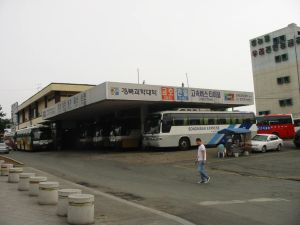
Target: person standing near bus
<point x="200" y="161"/>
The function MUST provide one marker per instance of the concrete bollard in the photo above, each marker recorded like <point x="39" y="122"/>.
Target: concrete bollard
<point x="24" y="181"/>
<point x="246" y="153"/>
<point x="34" y="185"/>
<point x="1" y="162"/>
<point x="5" y="168"/>
<point x="62" y="206"/>
<point x="48" y="194"/>
<point x="81" y="209"/>
<point x="236" y="154"/>
<point x="14" y="174"/>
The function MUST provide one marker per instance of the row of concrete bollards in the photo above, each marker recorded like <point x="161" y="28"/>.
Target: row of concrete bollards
<point x="77" y="207"/>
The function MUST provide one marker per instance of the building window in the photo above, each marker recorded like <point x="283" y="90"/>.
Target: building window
<point x="283" y="80"/>
<point x="281" y="58"/>
<point x="280" y="80"/>
<point x="276" y="41"/>
<point x="261" y="51"/>
<point x="268" y="49"/>
<point x="260" y="41"/>
<point x="253" y="43"/>
<point x="275" y="48"/>
<point x="286" y="102"/>
<point x="282" y="45"/>
<point x="278" y="59"/>
<point x="284" y="57"/>
<point x="23" y="116"/>
<point x="291" y="42"/>
<point x="289" y="102"/>
<point x="57" y="96"/>
<point x="298" y="40"/>
<point x="267" y="38"/>
<point x="282" y="39"/>
<point x="254" y="53"/>
<point x="267" y="112"/>
<point x="287" y="79"/>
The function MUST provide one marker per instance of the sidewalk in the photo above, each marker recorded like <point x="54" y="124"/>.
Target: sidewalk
<point x="18" y="208"/>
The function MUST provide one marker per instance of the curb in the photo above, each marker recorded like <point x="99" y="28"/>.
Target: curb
<point x="12" y="161"/>
<point x="165" y="215"/>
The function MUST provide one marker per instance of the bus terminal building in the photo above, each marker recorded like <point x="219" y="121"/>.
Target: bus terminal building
<point x="81" y="115"/>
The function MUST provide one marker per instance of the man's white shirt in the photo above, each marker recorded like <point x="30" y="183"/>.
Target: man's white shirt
<point x="201" y="151"/>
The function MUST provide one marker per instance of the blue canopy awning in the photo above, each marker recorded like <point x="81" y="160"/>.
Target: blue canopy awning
<point x="234" y="131"/>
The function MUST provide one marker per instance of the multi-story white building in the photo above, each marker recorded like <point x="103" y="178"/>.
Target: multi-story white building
<point x="276" y="71"/>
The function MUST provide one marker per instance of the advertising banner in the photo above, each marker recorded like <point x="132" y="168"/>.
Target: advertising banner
<point x="206" y="95"/>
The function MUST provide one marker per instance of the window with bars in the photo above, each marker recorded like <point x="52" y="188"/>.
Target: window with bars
<point x="278" y="58"/>
<point x="291" y="42"/>
<point x="281" y="58"/>
<point x="284" y="57"/>
<point x="268" y="49"/>
<point x="283" y="80"/>
<point x="266" y="112"/>
<point x="267" y="38"/>
<point x="286" y="102"/>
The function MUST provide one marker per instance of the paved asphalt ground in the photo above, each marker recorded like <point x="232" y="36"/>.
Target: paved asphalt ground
<point x="263" y="188"/>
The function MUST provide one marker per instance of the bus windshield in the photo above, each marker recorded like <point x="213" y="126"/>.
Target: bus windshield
<point x="41" y="134"/>
<point x="152" y="124"/>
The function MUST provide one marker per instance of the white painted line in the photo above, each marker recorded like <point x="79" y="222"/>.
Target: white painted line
<point x="212" y="203"/>
<point x="268" y="200"/>
<point x="174" y="218"/>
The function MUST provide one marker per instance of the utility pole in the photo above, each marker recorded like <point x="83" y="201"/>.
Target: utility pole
<point x="297" y="64"/>
<point x="138" y="75"/>
<point x="187" y="80"/>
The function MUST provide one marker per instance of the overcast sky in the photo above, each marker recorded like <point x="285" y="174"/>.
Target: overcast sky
<point x="95" y="41"/>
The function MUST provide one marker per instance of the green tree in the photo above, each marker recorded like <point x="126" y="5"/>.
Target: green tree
<point x="4" y="123"/>
<point x="2" y="114"/>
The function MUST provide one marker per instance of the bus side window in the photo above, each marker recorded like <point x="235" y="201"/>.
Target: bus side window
<point x="178" y="120"/>
<point x="194" y="121"/>
<point x="236" y="119"/>
<point x="222" y="119"/>
<point x="211" y="121"/>
<point x="205" y="121"/>
<point x="247" y="118"/>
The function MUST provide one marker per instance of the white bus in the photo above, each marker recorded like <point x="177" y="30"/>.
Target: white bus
<point x="180" y="129"/>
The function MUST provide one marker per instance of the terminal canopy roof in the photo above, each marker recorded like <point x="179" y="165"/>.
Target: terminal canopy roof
<point x="110" y="97"/>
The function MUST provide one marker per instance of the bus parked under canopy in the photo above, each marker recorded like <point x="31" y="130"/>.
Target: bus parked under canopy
<point x="33" y="138"/>
<point x="180" y="129"/>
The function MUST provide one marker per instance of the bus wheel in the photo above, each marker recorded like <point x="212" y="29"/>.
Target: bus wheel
<point x="184" y="144"/>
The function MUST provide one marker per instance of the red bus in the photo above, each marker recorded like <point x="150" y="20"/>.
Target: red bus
<point x="281" y="125"/>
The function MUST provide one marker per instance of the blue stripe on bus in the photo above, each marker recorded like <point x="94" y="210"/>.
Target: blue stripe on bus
<point x="217" y="136"/>
<point x="246" y="125"/>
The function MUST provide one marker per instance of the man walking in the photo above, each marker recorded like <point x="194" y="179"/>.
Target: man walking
<point x="201" y="160"/>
